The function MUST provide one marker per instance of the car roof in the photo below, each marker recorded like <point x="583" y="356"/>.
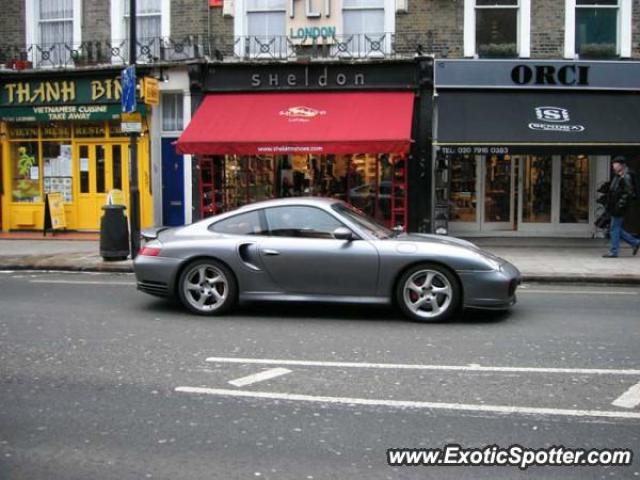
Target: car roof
<point x="290" y="201"/>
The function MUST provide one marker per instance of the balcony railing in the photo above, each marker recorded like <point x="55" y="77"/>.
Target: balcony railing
<point x="216" y="48"/>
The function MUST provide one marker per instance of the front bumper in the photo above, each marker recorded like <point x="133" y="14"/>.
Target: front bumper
<point x="495" y="290"/>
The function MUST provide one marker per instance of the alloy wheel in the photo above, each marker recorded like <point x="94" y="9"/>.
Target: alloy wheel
<point x="205" y="288"/>
<point x="428" y="294"/>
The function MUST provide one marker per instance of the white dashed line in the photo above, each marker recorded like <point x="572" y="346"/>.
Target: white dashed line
<point x="259" y="377"/>
<point x="391" y="366"/>
<point x="498" y="409"/>
<point x="629" y="399"/>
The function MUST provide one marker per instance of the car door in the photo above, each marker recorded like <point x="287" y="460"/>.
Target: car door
<point x="302" y="256"/>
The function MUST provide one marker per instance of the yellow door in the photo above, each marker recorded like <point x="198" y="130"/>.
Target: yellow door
<point x="100" y="168"/>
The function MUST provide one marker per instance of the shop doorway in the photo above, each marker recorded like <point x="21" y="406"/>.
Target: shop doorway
<point x="531" y="194"/>
<point x="100" y="168"/>
<point x="482" y="193"/>
<point x="172" y="184"/>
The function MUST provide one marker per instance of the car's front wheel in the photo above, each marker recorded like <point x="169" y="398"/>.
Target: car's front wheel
<point x="428" y="293"/>
<point x="207" y="287"/>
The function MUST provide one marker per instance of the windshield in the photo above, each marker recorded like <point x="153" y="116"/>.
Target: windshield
<point x="363" y="220"/>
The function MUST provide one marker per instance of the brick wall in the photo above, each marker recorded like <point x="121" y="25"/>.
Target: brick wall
<point x="547" y="28"/>
<point x="189" y="17"/>
<point x="12" y="30"/>
<point x="441" y="22"/>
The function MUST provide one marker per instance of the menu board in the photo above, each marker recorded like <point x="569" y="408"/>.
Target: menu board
<point x="58" y="175"/>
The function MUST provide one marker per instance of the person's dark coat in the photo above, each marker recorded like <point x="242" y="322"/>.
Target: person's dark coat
<point x="620" y="195"/>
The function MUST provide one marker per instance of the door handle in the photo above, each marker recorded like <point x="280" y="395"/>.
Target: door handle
<point x="268" y="251"/>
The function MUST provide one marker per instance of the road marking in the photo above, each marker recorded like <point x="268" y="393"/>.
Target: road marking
<point x="461" y="368"/>
<point x="500" y="409"/>
<point x="259" y="377"/>
<point x="82" y="282"/>
<point x="576" y="292"/>
<point x="629" y="399"/>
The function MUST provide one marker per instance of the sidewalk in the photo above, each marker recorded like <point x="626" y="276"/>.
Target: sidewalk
<point x="539" y="259"/>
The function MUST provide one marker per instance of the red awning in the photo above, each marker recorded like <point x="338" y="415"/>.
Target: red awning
<point x="309" y="122"/>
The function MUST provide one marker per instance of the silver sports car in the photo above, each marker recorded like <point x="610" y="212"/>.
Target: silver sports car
<point x="319" y="249"/>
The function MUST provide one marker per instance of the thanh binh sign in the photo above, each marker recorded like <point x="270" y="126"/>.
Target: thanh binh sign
<point x="55" y="113"/>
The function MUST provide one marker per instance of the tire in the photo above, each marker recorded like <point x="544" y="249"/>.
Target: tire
<point x="428" y="293"/>
<point x="207" y="287"/>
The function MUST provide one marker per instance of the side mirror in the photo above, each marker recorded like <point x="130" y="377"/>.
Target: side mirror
<point x="342" y="233"/>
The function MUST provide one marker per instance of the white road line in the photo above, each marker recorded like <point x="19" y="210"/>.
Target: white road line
<point x="499" y="409"/>
<point x="259" y="377"/>
<point x="391" y="366"/>
<point x="82" y="282"/>
<point x="629" y="399"/>
<point x="575" y="292"/>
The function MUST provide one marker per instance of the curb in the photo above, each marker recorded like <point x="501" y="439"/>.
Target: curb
<point x="581" y="278"/>
<point x="69" y="268"/>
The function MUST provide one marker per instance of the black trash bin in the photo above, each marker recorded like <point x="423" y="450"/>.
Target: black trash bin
<point x="114" y="233"/>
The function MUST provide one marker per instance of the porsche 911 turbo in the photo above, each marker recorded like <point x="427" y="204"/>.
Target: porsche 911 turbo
<point x="320" y="250"/>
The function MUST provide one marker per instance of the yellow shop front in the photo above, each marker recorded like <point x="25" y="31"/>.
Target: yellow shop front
<point x="83" y="160"/>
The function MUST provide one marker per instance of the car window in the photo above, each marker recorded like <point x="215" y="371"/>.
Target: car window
<point x="241" y="224"/>
<point x="300" y="222"/>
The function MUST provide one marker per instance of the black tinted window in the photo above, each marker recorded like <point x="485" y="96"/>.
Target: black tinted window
<point x="301" y="222"/>
<point x="241" y="224"/>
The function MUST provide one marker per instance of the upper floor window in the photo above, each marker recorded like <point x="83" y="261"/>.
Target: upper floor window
<point x="266" y="26"/>
<point x="363" y="17"/>
<point x="598" y="28"/>
<point x="497" y="28"/>
<point x="152" y="25"/>
<point x="52" y="30"/>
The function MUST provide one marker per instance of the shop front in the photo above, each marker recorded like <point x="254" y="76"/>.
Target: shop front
<point x="292" y="133"/>
<point x="64" y="136"/>
<point x="529" y="161"/>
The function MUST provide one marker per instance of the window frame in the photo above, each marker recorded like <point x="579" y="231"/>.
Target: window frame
<point x="179" y="100"/>
<point x="261" y="220"/>
<point x="623" y="34"/>
<point x="32" y="26"/>
<point x="523" y="26"/>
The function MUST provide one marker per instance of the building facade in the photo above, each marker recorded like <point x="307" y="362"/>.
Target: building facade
<point x="548" y="58"/>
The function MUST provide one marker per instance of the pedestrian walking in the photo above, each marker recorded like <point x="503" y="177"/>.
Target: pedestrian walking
<point x="621" y="195"/>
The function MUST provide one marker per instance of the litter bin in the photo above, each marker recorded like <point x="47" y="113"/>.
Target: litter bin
<point x="114" y="233"/>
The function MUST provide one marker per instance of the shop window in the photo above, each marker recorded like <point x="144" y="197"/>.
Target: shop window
<point x="596" y="33"/>
<point x="574" y="189"/>
<point x="300" y="222"/>
<point x="84" y="169"/>
<point x="243" y="224"/>
<point x="116" y="174"/>
<point x="58" y="175"/>
<point x="537" y="189"/>
<point x="464" y="197"/>
<point x="497" y="28"/>
<point x="100" y="169"/>
<point x="172" y="112"/>
<point x="25" y="166"/>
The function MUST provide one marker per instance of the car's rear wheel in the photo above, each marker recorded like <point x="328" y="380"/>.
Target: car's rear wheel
<point x="428" y="293"/>
<point x="207" y="287"/>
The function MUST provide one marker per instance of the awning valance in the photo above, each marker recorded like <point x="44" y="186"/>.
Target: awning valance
<point x="538" y="118"/>
<point x="309" y="122"/>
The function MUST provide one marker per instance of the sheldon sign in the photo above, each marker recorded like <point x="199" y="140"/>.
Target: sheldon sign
<point x="313" y="21"/>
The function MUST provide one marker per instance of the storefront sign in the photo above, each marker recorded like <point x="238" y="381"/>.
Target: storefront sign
<point x="400" y="75"/>
<point x="537" y="74"/>
<point x="151" y="91"/>
<point x="56" y="113"/>
<point x="82" y="99"/>
<point x="56" y="210"/>
<point x="316" y="22"/>
<point x="475" y="150"/>
<point x="554" y="119"/>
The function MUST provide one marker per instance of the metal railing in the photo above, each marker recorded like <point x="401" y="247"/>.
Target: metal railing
<point x="216" y="48"/>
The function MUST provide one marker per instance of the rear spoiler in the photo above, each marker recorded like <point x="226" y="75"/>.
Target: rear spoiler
<point x="152" y="233"/>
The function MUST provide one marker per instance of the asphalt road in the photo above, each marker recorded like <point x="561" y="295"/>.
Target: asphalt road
<point x="99" y="381"/>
